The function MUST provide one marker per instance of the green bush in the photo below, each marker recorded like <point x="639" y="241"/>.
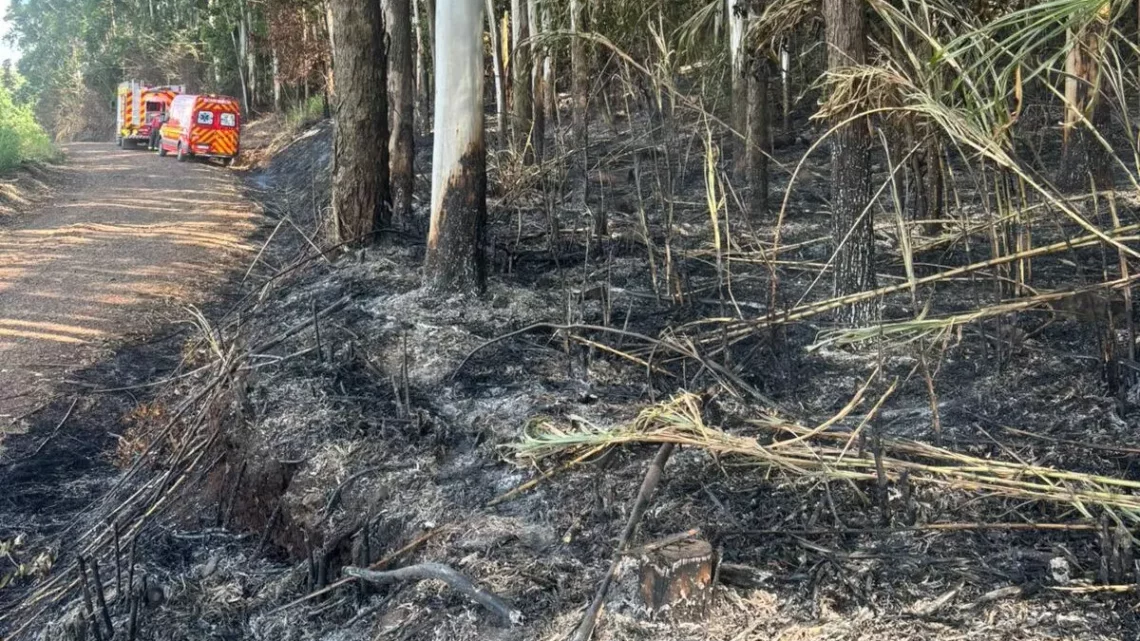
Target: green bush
<point x="305" y="113"/>
<point x="21" y="138"/>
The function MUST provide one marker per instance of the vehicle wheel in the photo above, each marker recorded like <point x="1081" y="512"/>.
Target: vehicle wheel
<point x="161" y="150"/>
<point x="228" y="162"/>
<point x="181" y="153"/>
<point x="119" y="142"/>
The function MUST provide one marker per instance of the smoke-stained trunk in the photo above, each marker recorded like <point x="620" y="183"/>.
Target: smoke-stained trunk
<point x="401" y="146"/>
<point x="851" y="218"/>
<point x="455" y="255"/>
<point x="360" y="195"/>
<point x="758" y="138"/>
<point x="737" y="9"/>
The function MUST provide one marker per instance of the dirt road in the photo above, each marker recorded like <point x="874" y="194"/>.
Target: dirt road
<point x="128" y="238"/>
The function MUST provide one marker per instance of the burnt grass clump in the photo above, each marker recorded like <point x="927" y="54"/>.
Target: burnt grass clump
<point x="334" y="413"/>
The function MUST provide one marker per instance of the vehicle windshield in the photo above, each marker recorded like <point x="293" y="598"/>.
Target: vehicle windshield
<point x="152" y="107"/>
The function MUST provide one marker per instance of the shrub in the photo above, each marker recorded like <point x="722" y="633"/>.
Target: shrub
<point x="21" y="138"/>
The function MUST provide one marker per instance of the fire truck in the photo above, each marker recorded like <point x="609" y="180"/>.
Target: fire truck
<point x="140" y="111"/>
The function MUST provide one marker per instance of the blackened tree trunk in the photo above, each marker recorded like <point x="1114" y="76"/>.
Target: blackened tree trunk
<point x="401" y="145"/>
<point x="851" y="218"/>
<point x="1085" y="163"/>
<point x="520" y="76"/>
<point x="360" y="195"/>
<point x="580" y="88"/>
<point x="455" y="253"/>
<point x="758" y="135"/>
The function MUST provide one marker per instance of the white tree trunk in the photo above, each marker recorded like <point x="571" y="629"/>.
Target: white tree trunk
<point x="455" y="260"/>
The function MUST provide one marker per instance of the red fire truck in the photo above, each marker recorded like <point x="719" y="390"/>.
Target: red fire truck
<point x="140" y="111"/>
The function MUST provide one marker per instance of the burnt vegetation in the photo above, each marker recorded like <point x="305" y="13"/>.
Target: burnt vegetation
<point x="781" y="318"/>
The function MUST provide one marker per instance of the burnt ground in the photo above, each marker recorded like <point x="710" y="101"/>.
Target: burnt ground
<point x="328" y="417"/>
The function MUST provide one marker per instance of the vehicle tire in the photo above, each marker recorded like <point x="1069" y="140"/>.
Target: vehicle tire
<point x="161" y="150"/>
<point x="181" y="153"/>
<point x="228" y="162"/>
<point x="119" y="142"/>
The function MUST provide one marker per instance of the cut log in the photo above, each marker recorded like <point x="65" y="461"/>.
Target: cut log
<point x="678" y="577"/>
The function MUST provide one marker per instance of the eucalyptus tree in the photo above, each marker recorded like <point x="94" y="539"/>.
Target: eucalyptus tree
<point x="455" y="259"/>
<point x="520" y="74"/>
<point x="401" y="146"/>
<point x="852" y="230"/>
<point x="360" y="190"/>
<point x="580" y="89"/>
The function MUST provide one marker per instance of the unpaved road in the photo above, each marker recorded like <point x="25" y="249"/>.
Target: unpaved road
<point x="127" y="238"/>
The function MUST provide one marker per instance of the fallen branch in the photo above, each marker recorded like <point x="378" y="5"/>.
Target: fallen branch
<point x="440" y="572"/>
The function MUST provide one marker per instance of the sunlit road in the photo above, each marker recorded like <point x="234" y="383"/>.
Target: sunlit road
<point x="129" y="235"/>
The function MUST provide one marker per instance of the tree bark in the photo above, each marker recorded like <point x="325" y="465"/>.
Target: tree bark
<point x="758" y="136"/>
<point x="401" y="145"/>
<point x="455" y="254"/>
<point x="424" y="46"/>
<point x="736" y="11"/>
<point x="360" y="190"/>
<point x="852" y="225"/>
<point x="579" y="66"/>
<point x="520" y="78"/>
<point x="1085" y="163"/>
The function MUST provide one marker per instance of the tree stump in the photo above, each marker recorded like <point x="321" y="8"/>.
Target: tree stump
<point x="678" y="577"/>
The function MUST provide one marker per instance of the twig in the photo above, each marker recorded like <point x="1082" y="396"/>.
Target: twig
<point x="56" y="430"/>
<point x="268" y="528"/>
<point x="665" y="542"/>
<point x="101" y="598"/>
<point x="441" y="572"/>
<point x="88" y="607"/>
<point x="652" y="477"/>
<point x="300" y="327"/>
<point x="379" y="564"/>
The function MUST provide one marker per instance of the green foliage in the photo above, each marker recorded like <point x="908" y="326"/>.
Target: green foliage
<point x="21" y="138"/>
<point x="304" y="113"/>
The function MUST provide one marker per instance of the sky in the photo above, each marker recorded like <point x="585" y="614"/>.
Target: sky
<point x="6" y="50"/>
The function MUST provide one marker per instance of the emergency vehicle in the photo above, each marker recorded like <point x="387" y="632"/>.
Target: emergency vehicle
<point x="140" y="110"/>
<point x="202" y="125"/>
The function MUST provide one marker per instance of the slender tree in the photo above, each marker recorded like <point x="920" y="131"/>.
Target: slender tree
<point x="360" y="195"/>
<point x="758" y="113"/>
<point x="580" y="88"/>
<point x="520" y="76"/>
<point x="851" y="219"/>
<point x="738" y="66"/>
<point x="401" y="146"/>
<point x="497" y="70"/>
<point x="455" y="259"/>
<point x="538" y="82"/>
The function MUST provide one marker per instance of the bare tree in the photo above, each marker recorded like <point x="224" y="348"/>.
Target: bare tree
<point x="758" y="114"/>
<point x="579" y="68"/>
<point x="851" y="220"/>
<point x="520" y="76"/>
<point x="538" y="82"/>
<point x="455" y="257"/>
<point x="360" y="195"/>
<point x="497" y="70"/>
<point x="401" y="146"/>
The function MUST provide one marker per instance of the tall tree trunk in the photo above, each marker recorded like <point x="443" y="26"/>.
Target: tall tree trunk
<point x="360" y="196"/>
<point x="497" y="69"/>
<point x="786" y="84"/>
<point x="520" y="77"/>
<point x="852" y="225"/>
<point x="455" y="259"/>
<point x="421" y="70"/>
<point x="758" y="138"/>
<point x="737" y="11"/>
<point x="580" y="88"/>
<point x="276" y="81"/>
<point x="401" y="147"/>
<point x="538" y="81"/>
<point x="1085" y="162"/>
<point x="249" y="52"/>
